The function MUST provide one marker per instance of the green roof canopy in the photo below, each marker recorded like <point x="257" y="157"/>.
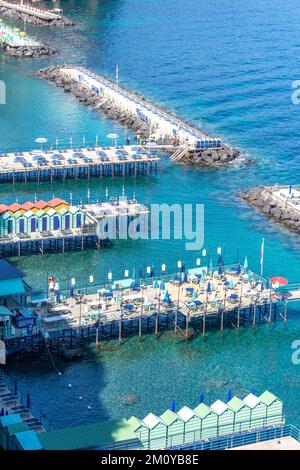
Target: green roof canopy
<point x="203" y="410"/>
<point x="169" y="417"/>
<point x="236" y="404"/>
<point x="88" y="436"/>
<point x="267" y="398"/>
<point x="11" y="287"/>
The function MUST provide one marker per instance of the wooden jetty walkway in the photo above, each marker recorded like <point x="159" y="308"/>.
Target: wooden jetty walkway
<point x="21" y="10"/>
<point x="186" y="305"/>
<point x="76" y="163"/>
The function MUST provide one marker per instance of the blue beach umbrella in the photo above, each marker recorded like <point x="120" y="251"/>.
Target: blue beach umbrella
<point x="229" y="395"/>
<point x="167" y="297"/>
<point x="173" y="406"/>
<point x="162" y="285"/>
<point x="220" y="270"/>
<point x="201" y="398"/>
<point x="209" y="288"/>
<point x="253" y="391"/>
<point x="183" y="268"/>
<point x="220" y="260"/>
<point x="152" y="274"/>
<point x="185" y="277"/>
<point x="246" y="263"/>
<point x="155" y="284"/>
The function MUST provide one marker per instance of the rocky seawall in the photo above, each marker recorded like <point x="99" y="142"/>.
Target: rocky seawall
<point x="29" y="51"/>
<point x="262" y="198"/>
<point x="17" y="15"/>
<point x="204" y="158"/>
<point x="213" y="157"/>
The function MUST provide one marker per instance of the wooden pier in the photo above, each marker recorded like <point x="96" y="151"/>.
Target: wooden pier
<point x="50" y="165"/>
<point x="120" y="313"/>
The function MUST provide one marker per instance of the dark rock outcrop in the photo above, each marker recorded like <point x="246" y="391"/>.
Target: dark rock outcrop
<point x="17" y="15"/>
<point x="262" y="198"/>
<point x="29" y="51"/>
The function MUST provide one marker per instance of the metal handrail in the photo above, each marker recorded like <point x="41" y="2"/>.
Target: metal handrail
<point x="22" y="397"/>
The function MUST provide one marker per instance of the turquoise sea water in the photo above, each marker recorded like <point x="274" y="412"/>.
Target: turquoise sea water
<point x="227" y="66"/>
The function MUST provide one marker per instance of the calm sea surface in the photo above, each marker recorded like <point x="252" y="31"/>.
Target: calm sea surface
<point x="228" y="66"/>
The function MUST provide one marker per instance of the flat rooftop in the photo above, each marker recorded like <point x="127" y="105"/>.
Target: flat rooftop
<point x="283" y="443"/>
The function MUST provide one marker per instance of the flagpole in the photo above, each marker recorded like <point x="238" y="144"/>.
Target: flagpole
<point x="262" y="257"/>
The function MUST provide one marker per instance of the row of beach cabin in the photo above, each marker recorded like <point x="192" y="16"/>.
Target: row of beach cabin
<point x="153" y="432"/>
<point x="206" y="422"/>
<point x="40" y="216"/>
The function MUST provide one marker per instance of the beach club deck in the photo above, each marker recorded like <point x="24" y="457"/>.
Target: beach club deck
<point x="187" y="303"/>
<point x="75" y="163"/>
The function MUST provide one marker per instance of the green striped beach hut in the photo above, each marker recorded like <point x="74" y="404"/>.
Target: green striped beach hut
<point x="225" y="417"/>
<point x="241" y="414"/>
<point x="209" y="421"/>
<point x="141" y="430"/>
<point x="274" y="408"/>
<point x="192" y="424"/>
<point x="157" y="431"/>
<point x="258" y="413"/>
<point x="175" y="427"/>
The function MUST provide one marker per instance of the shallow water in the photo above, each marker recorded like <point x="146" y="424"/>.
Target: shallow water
<point x="229" y="68"/>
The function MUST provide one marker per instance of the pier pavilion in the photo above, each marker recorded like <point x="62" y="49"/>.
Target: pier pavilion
<point x="57" y="225"/>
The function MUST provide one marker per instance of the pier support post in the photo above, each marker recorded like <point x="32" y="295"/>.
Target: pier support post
<point x="187" y="320"/>
<point x="120" y="329"/>
<point x="285" y="312"/>
<point x="203" y="324"/>
<point x="222" y="321"/>
<point x="97" y="337"/>
<point x="238" y="316"/>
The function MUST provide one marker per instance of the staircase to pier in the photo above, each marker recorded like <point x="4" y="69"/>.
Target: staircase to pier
<point x="181" y="153"/>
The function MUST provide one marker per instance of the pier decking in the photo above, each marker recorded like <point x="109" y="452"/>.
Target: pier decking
<point x="49" y="165"/>
<point x="187" y="306"/>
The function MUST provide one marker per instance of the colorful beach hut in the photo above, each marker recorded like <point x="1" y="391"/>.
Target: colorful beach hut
<point x="141" y="430"/>
<point x="241" y="414"/>
<point x="258" y="409"/>
<point x="192" y="424"/>
<point x="157" y="431"/>
<point x="225" y="417"/>
<point x="209" y="421"/>
<point x="175" y="427"/>
<point x="274" y="408"/>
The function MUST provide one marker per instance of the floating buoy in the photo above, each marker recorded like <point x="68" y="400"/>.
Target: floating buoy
<point x="80" y="398"/>
<point x="70" y="385"/>
<point x="59" y="373"/>
<point x="89" y="407"/>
